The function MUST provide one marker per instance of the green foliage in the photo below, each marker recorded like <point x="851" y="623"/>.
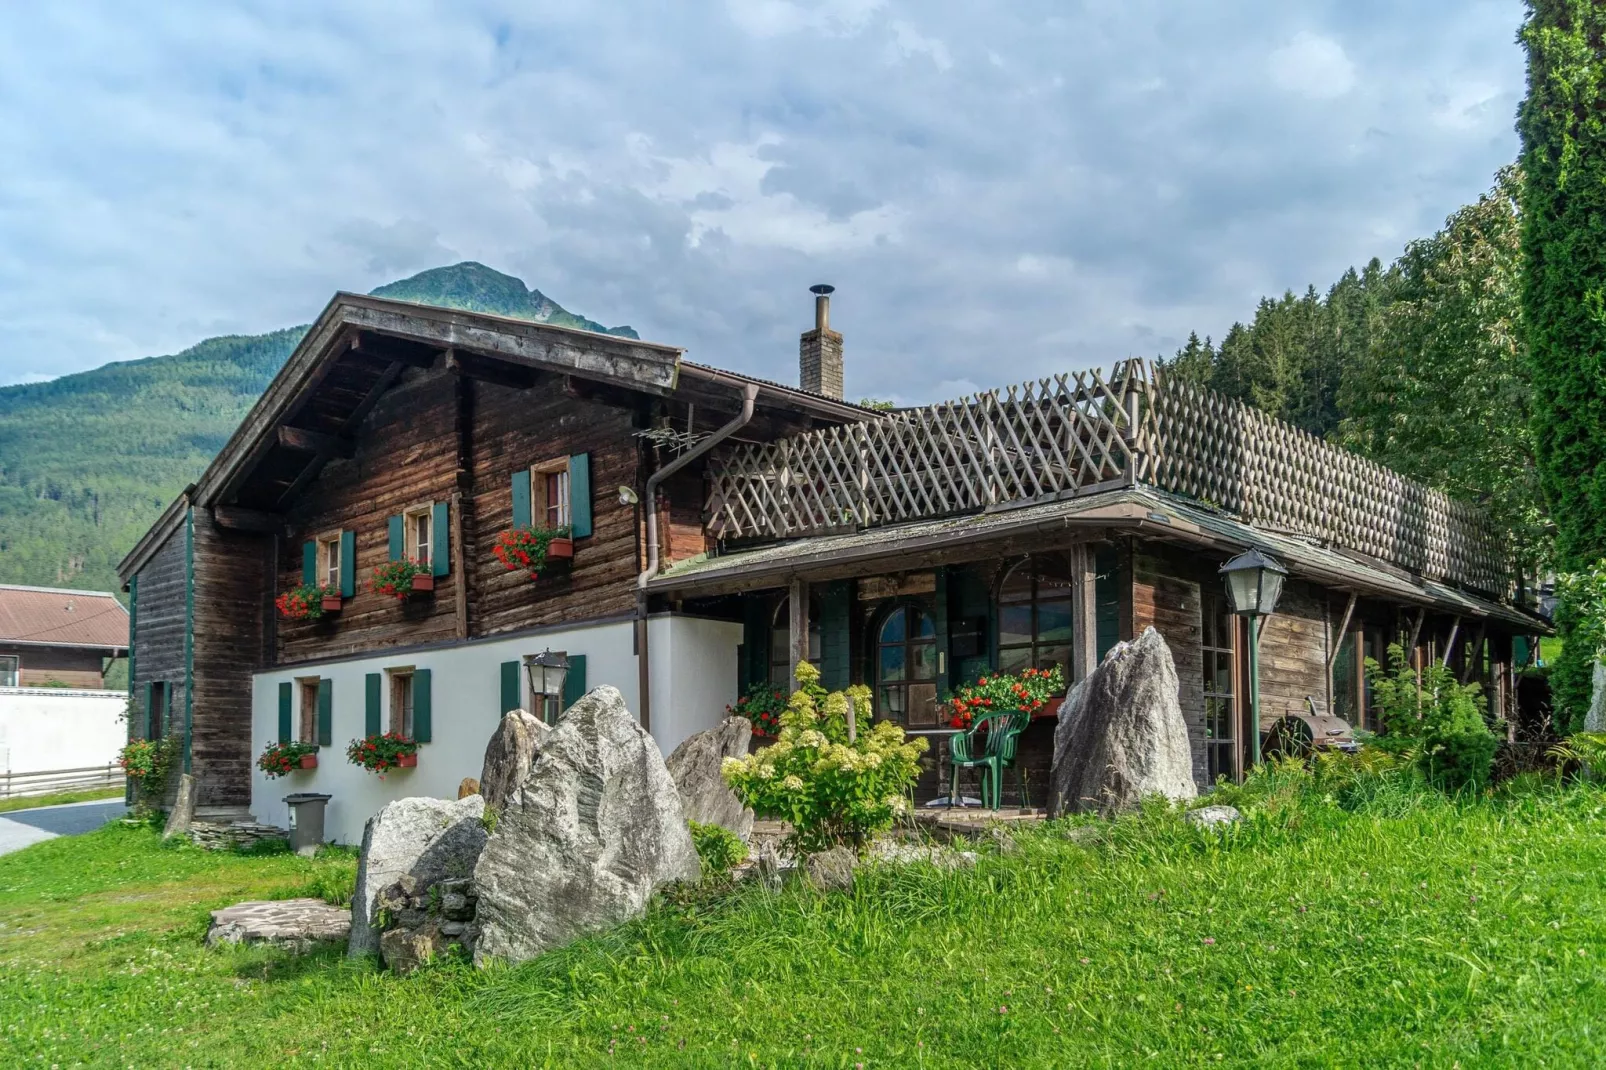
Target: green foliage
<point x="304" y="602"/>
<point x="148" y="763"/>
<point x="395" y="578"/>
<point x="1562" y="123"/>
<point x="281" y="759"/>
<point x="1439" y="723"/>
<point x="381" y="751"/>
<point x="764" y="705"/>
<point x="1581" y="622"/>
<point x="830" y="790"/>
<point x="718" y="849"/>
<point x="1028" y="690"/>
<point x="1586" y="748"/>
<point x="89" y="461"/>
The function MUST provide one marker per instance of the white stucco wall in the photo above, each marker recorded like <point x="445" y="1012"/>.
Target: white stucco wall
<point x="694" y="677"/>
<point x="59" y="728"/>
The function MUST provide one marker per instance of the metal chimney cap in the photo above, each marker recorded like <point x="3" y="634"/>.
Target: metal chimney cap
<point x="822" y="289"/>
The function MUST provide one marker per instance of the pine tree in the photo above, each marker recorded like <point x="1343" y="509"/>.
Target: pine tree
<point x="1563" y="128"/>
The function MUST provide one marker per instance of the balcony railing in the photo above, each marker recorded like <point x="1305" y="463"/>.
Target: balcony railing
<point x="1081" y="433"/>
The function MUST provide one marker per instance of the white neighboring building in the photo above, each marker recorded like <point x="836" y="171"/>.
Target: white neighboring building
<point x="55" y="645"/>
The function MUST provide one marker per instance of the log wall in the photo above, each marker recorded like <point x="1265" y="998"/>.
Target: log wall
<point x="232" y="605"/>
<point x="1166" y="597"/>
<point x="1293" y="653"/>
<point x="159" y="630"/>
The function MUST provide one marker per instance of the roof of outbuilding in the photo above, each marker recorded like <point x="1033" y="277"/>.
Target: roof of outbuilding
<point x="56" y="616"/>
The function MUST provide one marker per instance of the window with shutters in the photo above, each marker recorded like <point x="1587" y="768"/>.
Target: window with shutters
<point x="160" y="700"/>
<point x="329" y="560"/>
<point x="418" y="524"/>
<point x="549" y="490"/>
<point x="401" y="701"/>
<point x="10" y="670"/>
<point x="308" y="721"/>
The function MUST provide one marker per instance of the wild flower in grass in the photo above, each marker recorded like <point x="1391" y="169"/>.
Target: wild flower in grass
<point x="1210" y="940"/>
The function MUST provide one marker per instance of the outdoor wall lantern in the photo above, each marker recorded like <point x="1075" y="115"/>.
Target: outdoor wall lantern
<point x="1254" y="582"/>
<point x="546" y="671"/>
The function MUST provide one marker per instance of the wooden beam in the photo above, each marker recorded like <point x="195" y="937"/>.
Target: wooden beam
<point x="797" y="616"/>
<point x="238" y="518"/>
<point x="1084" y="611"/>
<point x="498" y="373"/>
<point x="1449" y="645"/>
<point x="1416" y="632"/>
<point x="308" y="441"/>
<point x="366" y="405"/>
<point x="1338" y="636"/>
<point x="1475" y="651"/>
<point x="418" y="354"/>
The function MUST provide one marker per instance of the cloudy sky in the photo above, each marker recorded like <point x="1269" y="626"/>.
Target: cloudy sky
<point x="996" y="190"/>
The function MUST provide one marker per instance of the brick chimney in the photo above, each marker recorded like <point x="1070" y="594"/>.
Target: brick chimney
<point x="820" y="350"/>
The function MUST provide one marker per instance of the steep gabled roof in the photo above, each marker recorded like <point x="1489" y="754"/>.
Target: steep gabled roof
<point x="56" y="616"/>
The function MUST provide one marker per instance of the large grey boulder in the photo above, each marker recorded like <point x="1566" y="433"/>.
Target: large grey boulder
<point x="1595" y="719"/>
<point x="508" y="756"/>
<point x="584" y="843"/>
<point x="427" y="840"/>
<point x="695" y="766"/>
<point x="182" y="816"/>
<point x="1121" y="735"/>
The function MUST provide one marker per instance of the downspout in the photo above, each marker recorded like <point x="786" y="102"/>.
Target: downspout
<point x="650" y="504"/>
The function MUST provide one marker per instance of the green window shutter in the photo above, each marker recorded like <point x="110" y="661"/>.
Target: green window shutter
<point x="326" y="712"/>
<point x="1107" y="599"/>
<point x="521" y="498"/>
<point x="309" y="563"/>
<point x="580" y="495"/>
<point x="834" y="611"/>
<point x="370" y="724"/>
<point x="398" y="541"/>
<point x="284" y="712"/>
<point x="756" y="638"/>
<point x="422" y="706"/>
<point x="150" y="708"/>
<point x="574" y="684"/>
<point x="440" y="554"/>
<point x="510" y="686"/>
<point x="348" y="564"/>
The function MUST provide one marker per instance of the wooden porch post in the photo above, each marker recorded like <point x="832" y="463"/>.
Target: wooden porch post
<point x="1084" y="612"/>
<point x="797" y="623"/>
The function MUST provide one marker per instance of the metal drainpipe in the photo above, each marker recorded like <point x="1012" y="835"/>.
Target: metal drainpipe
<point x="650" y="504"/>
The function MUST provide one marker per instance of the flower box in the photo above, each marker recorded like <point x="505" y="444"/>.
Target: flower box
<point x="309" y="761"/>
<point x="1050" y="707"/>
<point x="560" y="548"/>
<point x="423" y="582"/>
<point x="407" y="761"/>
<point x="332" y="603"/>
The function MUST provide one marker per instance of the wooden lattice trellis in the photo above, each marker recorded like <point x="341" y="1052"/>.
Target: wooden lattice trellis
<point x="1075" y="432"/>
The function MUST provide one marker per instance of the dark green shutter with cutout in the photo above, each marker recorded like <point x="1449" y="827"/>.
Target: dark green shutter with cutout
<point x="580" y="495"/>
<point x="755" y="640"/>
<point x="285" y="727"/>
<point x="309" y="563"/>
<point x="150" y="708"/>
<point x="1107" y="598"/>
<point x="348" y="564"/>
<point x="326" y="712"/>
<point x="574" y="684"/>
<point x="510" y="686"/>
<point x="423" y="707"/>
<point x="521" y="498"/>
<point x="396" y="547"/>
<point x="440" y="550"/>
<point x="834" y="646"/>
<point x="370" y="724"/>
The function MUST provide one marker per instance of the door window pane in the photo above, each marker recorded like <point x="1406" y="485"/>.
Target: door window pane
<point x="1014" y="624"/>
<point x="906" y="666"/>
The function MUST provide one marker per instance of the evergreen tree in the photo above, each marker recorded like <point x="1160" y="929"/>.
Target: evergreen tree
<point x="1563" y="128"/>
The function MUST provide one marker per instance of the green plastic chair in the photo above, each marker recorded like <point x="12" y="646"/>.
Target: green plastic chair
<point x="993" y="753"/>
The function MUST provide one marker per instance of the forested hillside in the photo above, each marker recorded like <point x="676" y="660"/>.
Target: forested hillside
<point x="88" y="461"/>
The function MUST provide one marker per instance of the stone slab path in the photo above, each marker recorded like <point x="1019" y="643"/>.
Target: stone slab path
<point x="22" y="828"/>
<point x="296" y="924"/>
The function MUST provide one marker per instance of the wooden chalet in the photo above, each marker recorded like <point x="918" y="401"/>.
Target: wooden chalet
<point x="724" y="527"/>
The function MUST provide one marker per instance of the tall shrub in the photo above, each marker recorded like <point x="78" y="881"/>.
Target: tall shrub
<point x="1581" y="620"/>
<point x="1562" y="123"/>
<point x="1438" y="722"/>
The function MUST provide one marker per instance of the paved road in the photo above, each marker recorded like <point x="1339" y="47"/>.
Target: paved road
<point x="19" y="828"/>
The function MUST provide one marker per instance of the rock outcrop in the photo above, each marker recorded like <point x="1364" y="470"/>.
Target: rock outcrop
<point x="423" y="923"/>
<point x="508" y="756"/>
<point x="1595" y="719"/>
<point x="427" y="840"/>
<point x="695" y="766"/>
<point x="1214" y="816"/>
<point x="295" y="924"/>
<point x="182" y="816"/>
<point x="831" y="870"/>
<point x="587" y="838"/>
<point x="1121" y="735"/>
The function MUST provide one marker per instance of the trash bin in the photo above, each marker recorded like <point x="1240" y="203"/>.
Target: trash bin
<point x="306" y="821"/>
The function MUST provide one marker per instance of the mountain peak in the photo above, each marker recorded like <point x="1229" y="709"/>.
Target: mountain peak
<point x="476" y="288"/>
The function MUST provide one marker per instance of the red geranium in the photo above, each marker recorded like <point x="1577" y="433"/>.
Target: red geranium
<point x="1029" y="691"/>
<point x="526" y="548"/>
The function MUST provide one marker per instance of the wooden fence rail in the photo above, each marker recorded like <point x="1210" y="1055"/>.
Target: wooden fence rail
<point x="1081" y="432"/>
<point x="49" y="781"/>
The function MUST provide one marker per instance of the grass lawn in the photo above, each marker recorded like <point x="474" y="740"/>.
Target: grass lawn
<point x="1409" y="931"/>
<point x="60" y="798"/>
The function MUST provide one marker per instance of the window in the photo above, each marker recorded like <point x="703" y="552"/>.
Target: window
<point x="417" y="523"/>
<point x="401" y="701"/>
<point x="161" y="698"/>
<point x="309" y="710"/>
<point x="549" y="485"/>
<point x="329" y="560"/>
<point x="1220" y="659"/>
<point x="1034" y="616"/>
<point x="906" y="667"/>
<point x="10" y="670"/>
<point x="780" y="642"/>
